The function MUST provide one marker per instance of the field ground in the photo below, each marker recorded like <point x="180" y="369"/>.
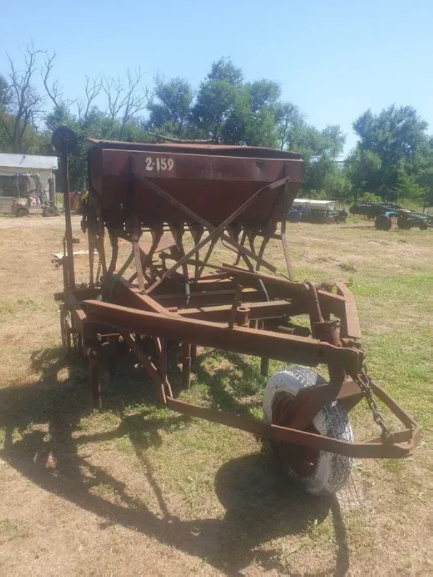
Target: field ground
<point x="136" y="490"/>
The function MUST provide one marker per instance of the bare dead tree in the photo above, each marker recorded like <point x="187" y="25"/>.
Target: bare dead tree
<point x="92" y="90"/>
<point x="125" y="99"/>
<point x="24" y="100"/>
<point x="52" y="87"/>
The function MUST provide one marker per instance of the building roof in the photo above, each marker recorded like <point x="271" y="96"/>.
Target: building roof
<point x="28" y="161"/>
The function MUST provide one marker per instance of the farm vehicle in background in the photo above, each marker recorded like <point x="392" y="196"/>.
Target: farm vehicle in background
<point x="315" y="211"/>
<point x="383" y="212"/>
<point x="31" y="198"/>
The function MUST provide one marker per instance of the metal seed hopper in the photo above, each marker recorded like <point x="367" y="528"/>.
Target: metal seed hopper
<point x="174" y="204"/>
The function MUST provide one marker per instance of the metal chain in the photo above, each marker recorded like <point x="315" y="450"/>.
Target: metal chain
<point x="363" y="381"/>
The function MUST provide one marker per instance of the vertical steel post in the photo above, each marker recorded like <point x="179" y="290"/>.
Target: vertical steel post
<point x="68" y="222"/>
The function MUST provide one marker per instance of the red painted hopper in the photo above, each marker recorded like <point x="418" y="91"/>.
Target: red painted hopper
<point x="212" y="181"/>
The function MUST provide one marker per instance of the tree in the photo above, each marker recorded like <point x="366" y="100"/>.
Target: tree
<point x="224" y="69"/>
<point x="219" y="112"/>
<point x="21" y="104"/>
<point x="320" y="150"/>
<point x="125" y="99"/>
<point x="289" y="120"/>
<point x="213" y="107"/>
<point x="263" y="93"/>
<point x="229" y="110"/>
<point x="4" y="100"/>
<point x="5" y="96"/>
<point x="392" y="153"/>
<point x="363" y="168"/>
<point x="263" y="99"/>
<point x="170" y="113"/>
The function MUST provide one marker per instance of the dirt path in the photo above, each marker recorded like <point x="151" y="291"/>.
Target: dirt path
<point x="7" y="223"/>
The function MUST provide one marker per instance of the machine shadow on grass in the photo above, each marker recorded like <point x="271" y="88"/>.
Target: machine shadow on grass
<point x="40" y="424"/>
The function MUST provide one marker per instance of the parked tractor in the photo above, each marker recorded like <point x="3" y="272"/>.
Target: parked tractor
<point x="383" y="212"/>
<point x="31" y="198"/>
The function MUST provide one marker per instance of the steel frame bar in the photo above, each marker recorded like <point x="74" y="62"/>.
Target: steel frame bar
<point x="283" y="232"/>
<point x="270" y="344"/>
<point x="401" y="445"/>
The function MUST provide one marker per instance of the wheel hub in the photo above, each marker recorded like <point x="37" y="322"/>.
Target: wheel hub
<point x="301" y="460"/>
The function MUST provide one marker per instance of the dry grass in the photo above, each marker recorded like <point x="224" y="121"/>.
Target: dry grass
<point x="137" y="490"/>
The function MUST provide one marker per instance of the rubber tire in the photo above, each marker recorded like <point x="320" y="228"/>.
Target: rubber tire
<point x="423" y="226"/>
<point x="342" y="216"/>
<point x="49" y="211"/>
<point x="294" y="216"/>
<point x="403" y="223"/>
<point x="21" y="212"/>
<point x="332" y="470"/>
<point x="383" y="222"/>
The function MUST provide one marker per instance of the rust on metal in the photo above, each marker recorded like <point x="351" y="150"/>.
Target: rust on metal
<point x="188" y="199"/>
<point x="404" y="445"/>
<point x="278" y="346"/>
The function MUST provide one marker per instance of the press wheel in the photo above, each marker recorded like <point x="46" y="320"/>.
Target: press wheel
<point x="316" y="472"/>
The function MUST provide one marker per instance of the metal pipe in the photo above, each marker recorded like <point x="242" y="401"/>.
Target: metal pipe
<point x="69" y="262"/>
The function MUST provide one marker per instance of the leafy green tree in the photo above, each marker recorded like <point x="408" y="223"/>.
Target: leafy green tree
<point x="4" y="100"/>
<point x="263" y="93"/>
<point x="170" y="109"/>
<point x="289" y="122"/>
<point x="5" y="96"/>
<point x="320" y="150"/>
<point x="224" y="69"/>
<point x="392" y="153"/>
<point x="363" y="169"/>
<point x="228" y="110"/>
<point x="214" y="108"/>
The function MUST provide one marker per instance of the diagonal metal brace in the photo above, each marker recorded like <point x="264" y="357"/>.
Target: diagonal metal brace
<point x="214" y="231"/>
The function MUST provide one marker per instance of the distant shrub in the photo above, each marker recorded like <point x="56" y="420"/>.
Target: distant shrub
<point x="369" y="197"/>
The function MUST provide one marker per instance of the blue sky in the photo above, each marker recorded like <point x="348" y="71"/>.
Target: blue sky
<point x="334" y="59"/>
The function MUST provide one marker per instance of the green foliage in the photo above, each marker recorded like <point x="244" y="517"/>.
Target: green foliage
<point x="224" y="69"/>
<point x="369" y="197"/>
<point x="218" y="110"/>
<point x="393" y="156"/>
<point x="170" y="113"/>
<point x="5" y="97"/>
<point x="320" y="150"/>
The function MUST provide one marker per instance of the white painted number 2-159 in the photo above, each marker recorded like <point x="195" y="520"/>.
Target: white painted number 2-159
<point x="159" y="163"/>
